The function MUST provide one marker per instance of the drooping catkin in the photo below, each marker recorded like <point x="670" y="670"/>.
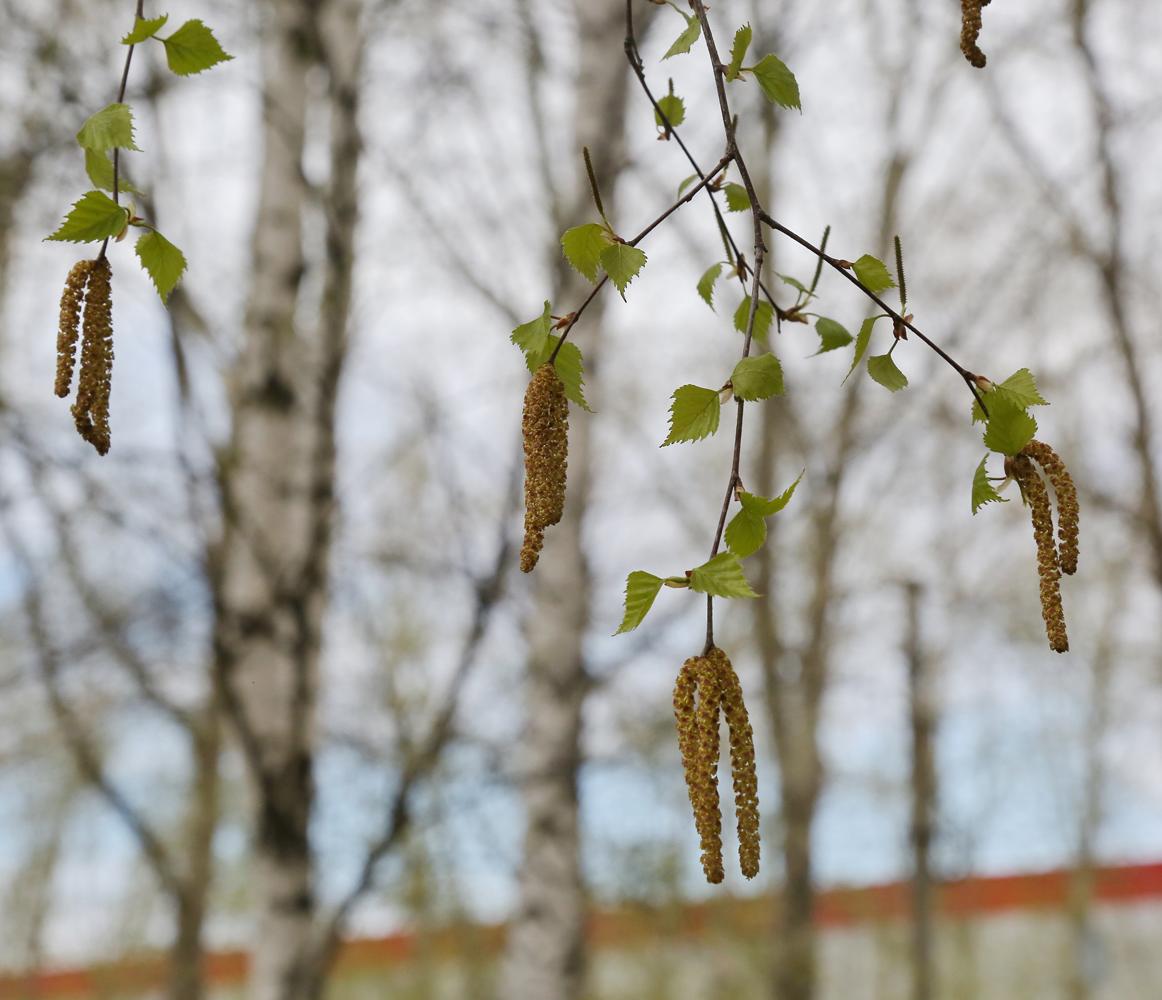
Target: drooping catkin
<point x="742" y="765"/>
<point x="697" y="694"/>
<point x="91" y="407"/>
<point x="1068" y="512"/>
<point x="546" y="444"/>
<point x="1021" y="467"/>
<point x="970" y="25"/>
<point x="69" y="327"/>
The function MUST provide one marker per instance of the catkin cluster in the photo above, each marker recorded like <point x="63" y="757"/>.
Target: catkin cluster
<point x="970" y="30"/>
<point x="1052" y="559"/>
<point x="87" y="308"/>
<point x="546" y="442"/>
<point x="707" y="686"/>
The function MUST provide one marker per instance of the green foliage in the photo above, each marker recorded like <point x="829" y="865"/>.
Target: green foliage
<point x="685" y="41"/>
<point x="694" y="414"/>
<point x="861" y="343"/>
<point x="686" y="182"/>
<point x="583" y="245"/>
<point x="569" y="365"/>
<point x="832" y="335"/>
<point x="100" y="170"/>
<point x="757" y="378"/>
<point x="674" y="108"/>
<point x="164" y="262"/>
<point x="796" y="284"/>
<point x="778" y="83"/>
<point x="747" y="530"/>
<point x="883" y="369"/>
<point x="764" y="506"/>
<point x="531" y="337"/>
<point x="763" y="317"/>
<point x="742" y="39"/>
<point x="622" y="263"/>
<point x="982" y="489"/>
<point x="144" y="29"/>
<point x="707" y="281"/>
<point x="737" y="199"/>
<point x="641" y="589"/>
<point x="1009" y="428"/>
<point x="722" y="576"/>
<point x="1020" y="388"/>
<point x="109" y="128"/>
<point x="193" y="49"/>
<point x="873" y="274"/>
<point x="94" y="217"/>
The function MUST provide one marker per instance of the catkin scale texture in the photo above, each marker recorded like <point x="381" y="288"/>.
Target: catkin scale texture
<point x="545" y="429"/>
<point x="1048" y="568"/>
<point x="69" y="327"/>
<point x="91" y="407"/>
<point x="1068" y="511"/>
<point x="970" y="25"/>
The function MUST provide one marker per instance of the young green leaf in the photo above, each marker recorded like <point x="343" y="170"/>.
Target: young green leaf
<point x="1020" y="388"/>
<point x="685" y="41"/>
<point x="583" y="245"/>
<point x="883" y="369"/>
<point x="640" y="591"/>
<point x="762" y="506"/>
<point x="109" y="128"/>
<point x="570" y="368"/>
<point x="757" y="378"/>
<point x="736" y="198"/>
<point x="778" y="82"/>
<point x="832" y="335"/>
<point x="144" y="29"/>
<point x="982" y="489"/>
<point x="100" y="170"/>
<point x="673" y="108"/>
<point x="164" y="262"/>
<point x="872" y="273"/>
<point x="745" y="534"/>
<point x="694" y="414"/>
<point x="763" y="317"/>
<point x="1009" y="427"/>
<point x="193" y="48"/>
<point x="94" y="217"/>
<point x="722" y="576"/>
<point x="706" y="283"/>
<point x="622" y="263"/>
<point x="795" y="283"/>
<point x="686" y="182"/>
<point x="742" y="39"/>
<point x="861" y="344"/>
<point x="531" y="337"/>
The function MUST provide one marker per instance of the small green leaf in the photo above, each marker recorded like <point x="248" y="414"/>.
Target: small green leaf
<point x="685" y="41"/>
<point x="144" y="29"/>
<point x="761" y="506"/>
<point x="777" y="82"/>
<point x="757" y="378"/>
<point x="722" y="576"/>
<point x="795" y="283"/>
<point x="583" y="245"/>
<point x="640" y="591"/>
<point x="622" y="263"/>
<point x="872" y="274"/>
<point x="742" y="39"/>
<point x="531" y="337"/>
<point x="193" y="48"/>
<point x="706" y="283"/>
<point x="832" y="335"/>
<point x="570" y="367"/>
<point x="694" y="414"/>
<point x="686" y="183"/>
<point x="673" y="108"/>
<point x="1019" y="388"/>
<point x="745" y="534"/>
<point x="1009" y="427"/>
<point x="763" y="317"/>
<point x="883" y="369"/>
<point x="737" y="199"/>
<point x="861" y="343"/>
<point x="100" y="170"/>
<point x="982" y="489"/>
<point x="164" y="262"/>
<point x="94" y="217"/>
<point x="109" y="128"/>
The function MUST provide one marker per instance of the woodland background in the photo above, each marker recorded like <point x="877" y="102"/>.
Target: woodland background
<point x="269" y="675"/>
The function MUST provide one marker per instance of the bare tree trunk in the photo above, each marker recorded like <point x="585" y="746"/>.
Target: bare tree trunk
<point x="277" y="482"/>
<point x="923" y="802"/>
<point x="544" y="956"/>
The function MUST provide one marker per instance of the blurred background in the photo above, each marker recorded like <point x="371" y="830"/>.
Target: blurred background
<point x="281" y="719"/>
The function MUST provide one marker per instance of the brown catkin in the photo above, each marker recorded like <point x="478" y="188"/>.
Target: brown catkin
<point x="91" y="407"/>
<point x="742" y="765"/>
<point x="970" y="25"/>
<point x="1037" y="497"/>
<point x="697" y="696"/>
<point x="546" y="442"/>
<point x="1068" y="512"/>
<point x="69" y="327"/>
